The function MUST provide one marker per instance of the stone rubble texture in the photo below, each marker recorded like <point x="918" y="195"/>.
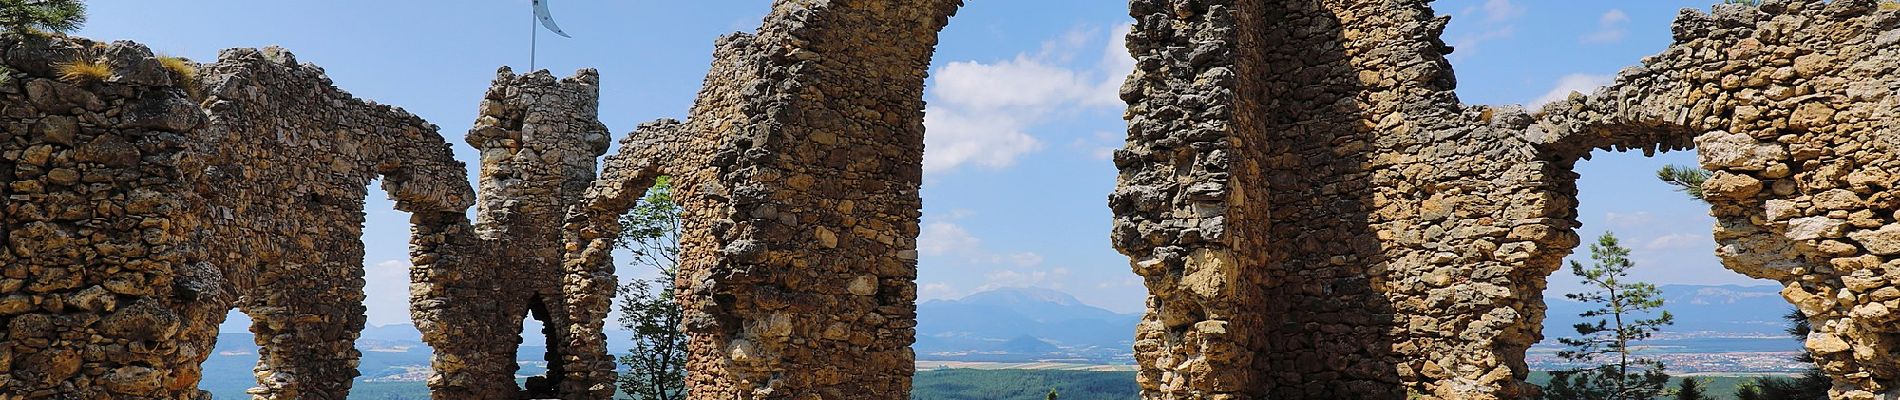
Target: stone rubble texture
<point x="103" y="288"/>
<point x="280" y="174"/>
<point x="1317" y="216"/>
<point x="539" y="139"/>
<point x="798" y="169"/>
<point x="1313" y="211"/>
<point x="1792" y="106"/>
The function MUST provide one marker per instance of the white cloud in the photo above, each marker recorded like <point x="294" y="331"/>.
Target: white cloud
<point x="1610" y="28"/>
<point x="1100" y="146"/>
<point x="937" y="291"/>
<point x="1680" y="241"/>
<point x="941" y="238"/>
<point x="1501" y="10"/>
<point x="949" y="239"/>
<point x="1116" y="64"/>
<point x="1023" y="82"/>
<point x="1026" y="259"/>
<point x="386" y="292"/>
<point x="1581" y="83"/>
<point x="981" y="113"/>
<point x="956" y="138"/>
<point x="1467" y="45"/>
<point x="958" y="213"/>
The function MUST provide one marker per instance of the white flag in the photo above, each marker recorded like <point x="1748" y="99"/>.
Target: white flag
<point x="547" y="20"/>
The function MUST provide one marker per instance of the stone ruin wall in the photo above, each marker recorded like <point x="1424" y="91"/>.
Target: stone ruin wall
<point x="137" y="218"/>
<point x="1792" y="105"/>
<point x="799" y="168"/>
<point x="281" y="172"/>
<point x="1404" y="239"/>
<point x="1315" y="213"/>
<point x="539" y="139"/>
<point x="99" y="273"/>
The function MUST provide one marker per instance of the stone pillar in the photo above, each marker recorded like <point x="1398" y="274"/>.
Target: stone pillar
<point x="801" y="171"/>
<point x="1184" y="201"/>
<point x="591" y="228"/>
<point x="540" y="140"/>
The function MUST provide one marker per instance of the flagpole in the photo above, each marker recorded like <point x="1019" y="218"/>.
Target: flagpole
<point x="534" y="40"/>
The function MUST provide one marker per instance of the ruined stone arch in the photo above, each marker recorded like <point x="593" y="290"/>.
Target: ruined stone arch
<point x="1314" y="212"/>
<point x="1791" y="106"/>
<point x="591" y="228"/>
<point x="281" y="171"/>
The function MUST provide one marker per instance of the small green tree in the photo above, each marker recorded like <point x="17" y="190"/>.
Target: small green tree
<point x="1611" y="340"/>
<point x="657" y="362"/>
<point x="1687" y="180"/>
<point x="1052" y="395"/>
<point x="1690" y="389"/>
<point x="32" y="16"/>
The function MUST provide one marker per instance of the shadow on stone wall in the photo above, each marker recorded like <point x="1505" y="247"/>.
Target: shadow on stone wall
<point x="1307" y="217"/>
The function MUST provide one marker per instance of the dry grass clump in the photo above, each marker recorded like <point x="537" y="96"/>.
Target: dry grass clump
<point x="179" y="66"/>
<point x="1890" y="5"/>
<point x="78" y="71"/>
<point x="184" y="72"/>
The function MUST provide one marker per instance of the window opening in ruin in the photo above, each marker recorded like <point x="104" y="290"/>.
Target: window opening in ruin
<point x="390" y="348"/>
<point x="1504" y="55"/>
<point x="646" y="336"/>
<point x="544" y="375"/>
<point x="390" y="345"/>
<point x="1724" y="321"/>
<point x="233" y="355"/>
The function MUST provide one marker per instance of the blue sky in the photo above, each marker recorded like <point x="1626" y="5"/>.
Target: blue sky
<point x="1021" y="117"/>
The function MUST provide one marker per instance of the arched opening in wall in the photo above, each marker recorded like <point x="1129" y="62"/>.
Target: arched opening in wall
<point x="394" y="359"/>
<point x="226" y="371"/>
<point x="645" y="334"/>
<point x="1725" y="325"/>
<point x="390" y="357"/>
<point x="538" y="360"/>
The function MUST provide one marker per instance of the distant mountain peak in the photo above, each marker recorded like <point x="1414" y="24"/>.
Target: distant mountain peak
<point x="1021" y="295"/>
